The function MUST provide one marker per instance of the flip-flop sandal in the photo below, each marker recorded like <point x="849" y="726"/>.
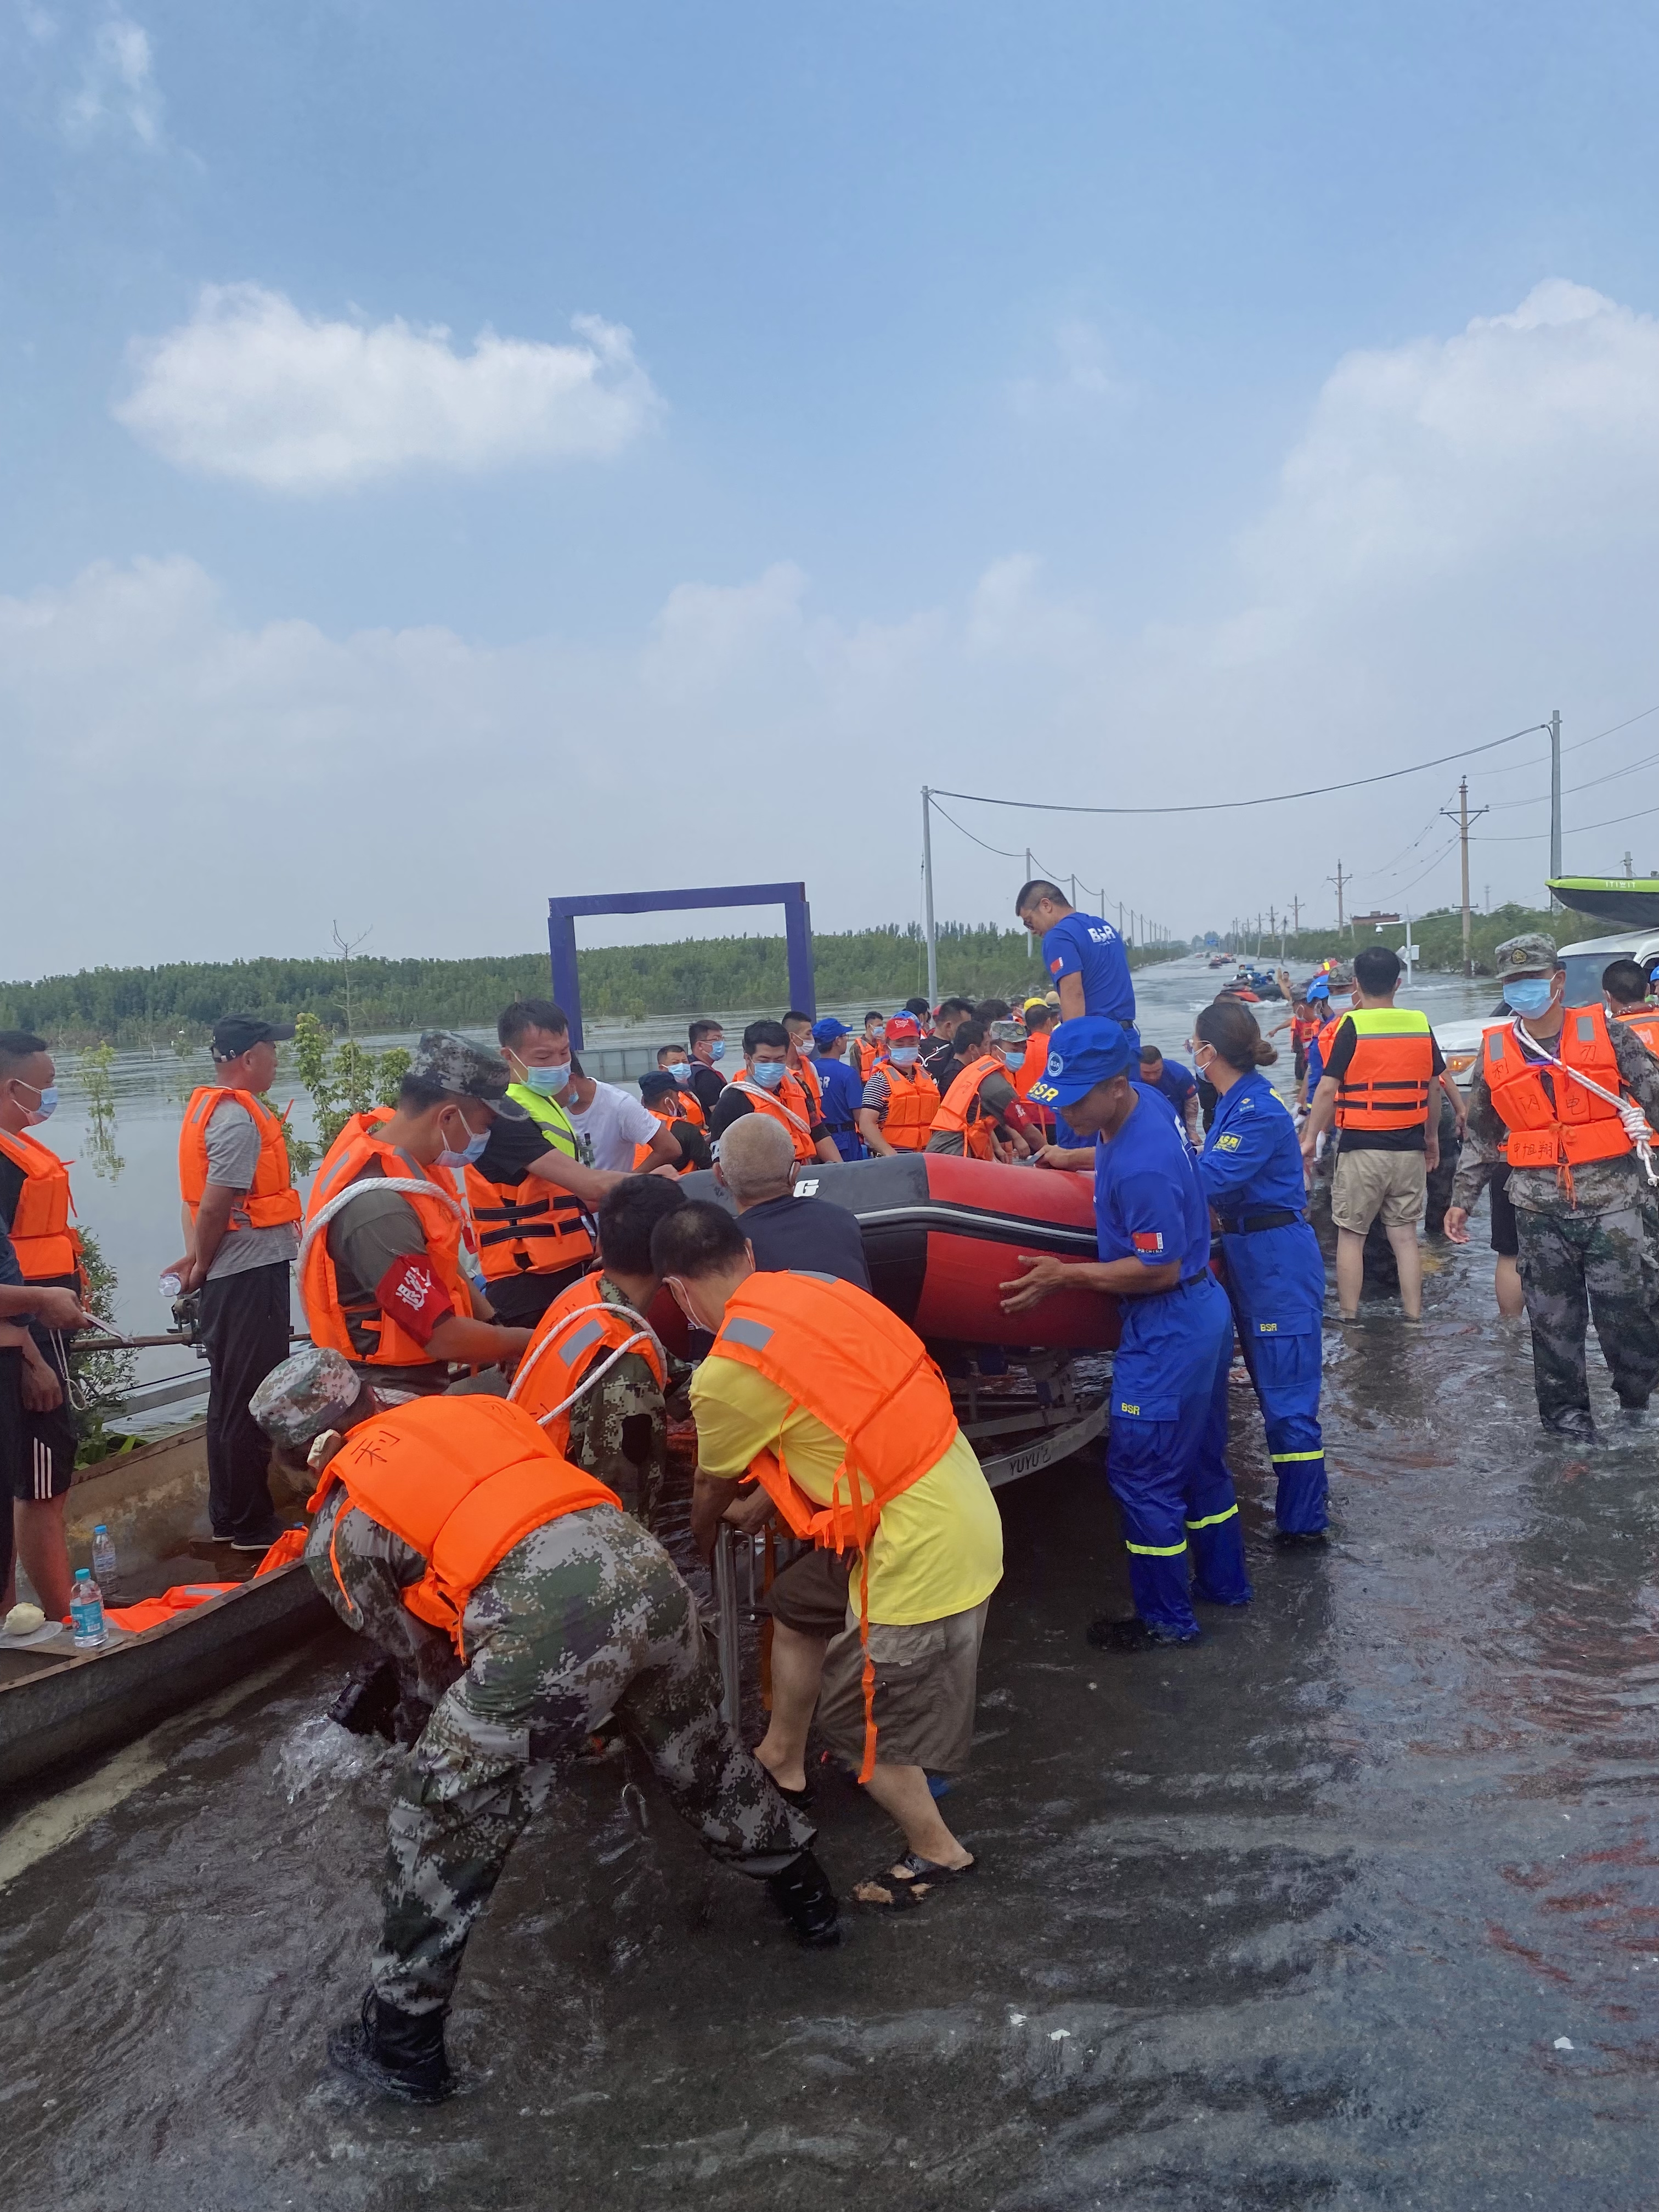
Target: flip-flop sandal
<point x="800" y="1798"/>
<point x="909" y="1882"/>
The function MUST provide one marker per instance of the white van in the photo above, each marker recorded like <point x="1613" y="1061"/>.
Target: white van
<point x="1585" y="963"/>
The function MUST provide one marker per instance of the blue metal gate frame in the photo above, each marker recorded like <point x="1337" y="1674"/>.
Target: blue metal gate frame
<point x="562" y="914"/>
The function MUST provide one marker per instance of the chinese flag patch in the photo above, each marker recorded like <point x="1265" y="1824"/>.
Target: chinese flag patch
<point x="1055" y="966"/>
<point x="1149" y="1242"/>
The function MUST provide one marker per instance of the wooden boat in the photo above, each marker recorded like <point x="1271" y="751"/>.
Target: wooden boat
<point x="58" y="1704"/>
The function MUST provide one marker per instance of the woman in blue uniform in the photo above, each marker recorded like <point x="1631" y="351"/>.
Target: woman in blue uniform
<point x="1166" y="1448"/>
<point x="1252" y="1173"/>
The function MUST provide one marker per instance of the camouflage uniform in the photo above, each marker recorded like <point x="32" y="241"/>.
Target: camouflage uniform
<point x="1586" y="1253"/>
<point x="618" y="1430"/>
<point x="585" y="1618"/>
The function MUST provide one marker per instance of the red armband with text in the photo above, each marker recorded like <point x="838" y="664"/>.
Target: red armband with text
<point x="410" y="1293"/>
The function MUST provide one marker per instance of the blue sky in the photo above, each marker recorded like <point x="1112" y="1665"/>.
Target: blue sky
<point x="1086" y="402"/>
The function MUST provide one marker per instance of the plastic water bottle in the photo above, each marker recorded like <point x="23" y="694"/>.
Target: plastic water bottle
<point x="169" y="1285"/>
<point x="87" y="1613"/>
<point x="103" y="1559"/>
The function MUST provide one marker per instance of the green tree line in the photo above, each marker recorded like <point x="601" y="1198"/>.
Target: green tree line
<point x="1438" y="938"/>
<point x="180" y="1003"/>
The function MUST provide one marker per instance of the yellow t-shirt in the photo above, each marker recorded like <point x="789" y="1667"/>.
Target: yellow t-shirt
<point x="938" y="1546"/>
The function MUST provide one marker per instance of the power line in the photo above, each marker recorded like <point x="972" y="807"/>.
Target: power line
<point x="1578" y="830"/>
<point x="1595" y="737"/>
<point x="1268" y="798"/>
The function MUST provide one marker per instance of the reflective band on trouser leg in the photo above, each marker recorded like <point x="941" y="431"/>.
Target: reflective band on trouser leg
<point x="1141" y="1465"/>
<point x="1212" y="1509"/>
<point x="1288" y="1384"/>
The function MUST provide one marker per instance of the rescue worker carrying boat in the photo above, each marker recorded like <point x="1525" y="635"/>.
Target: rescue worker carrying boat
<point x="1252" y="1173"/>
<point x="900" y="1097"/>
<point x="594" y="1376"/>
<point x="766" y="1086"/>
<point x="381" y="1269"/>
<point x="1564" y="1097"/>
<point x="1166" y="1453"/>
<point x="530" y="1608"/>
<point x="833" y="1406"/>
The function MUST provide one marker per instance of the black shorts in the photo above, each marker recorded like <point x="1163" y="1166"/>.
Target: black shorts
<point x="810" y="1595"/>
<point x="1301" y="1061"/>
<point x="1505" y="1234"/>
<point x="37" y="1450"/>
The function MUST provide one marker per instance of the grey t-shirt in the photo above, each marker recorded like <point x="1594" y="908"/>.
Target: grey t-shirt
<point x="233" y="1151"/>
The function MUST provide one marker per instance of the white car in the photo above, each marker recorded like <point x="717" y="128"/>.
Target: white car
<point x="1585" y="963"/>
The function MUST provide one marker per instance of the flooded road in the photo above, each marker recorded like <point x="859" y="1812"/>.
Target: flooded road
<point x="1355" y="1904"/>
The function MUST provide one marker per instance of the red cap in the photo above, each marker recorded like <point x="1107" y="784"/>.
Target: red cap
<point x="903" y="1025"/>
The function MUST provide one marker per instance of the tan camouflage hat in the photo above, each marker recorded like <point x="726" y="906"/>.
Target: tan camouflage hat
<point x="313" y="1391"/>
<point x="445" y="1057"/>
<point x="1533" y="954"/>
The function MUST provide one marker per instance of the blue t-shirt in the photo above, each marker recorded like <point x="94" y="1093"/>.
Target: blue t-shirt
<point x="1178" y="1085"/>
<point x="1083" y="944"/>
<point x="843" y="1094"/>
<point x="1148" y="1205"/>
<point x="1251" y="1161"/>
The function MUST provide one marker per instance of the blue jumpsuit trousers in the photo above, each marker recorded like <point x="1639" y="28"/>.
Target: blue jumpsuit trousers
<point x="1276" y="1282"/>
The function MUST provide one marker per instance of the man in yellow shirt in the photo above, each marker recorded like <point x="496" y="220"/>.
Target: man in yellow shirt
<point x="793" y="1356"/>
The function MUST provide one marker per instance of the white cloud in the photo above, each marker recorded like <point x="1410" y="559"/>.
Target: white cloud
<point x="252" y="389"/>
<point x="117" y="91"/>
<point x="1462" y="538"/>
<point x="1082" y="385"/>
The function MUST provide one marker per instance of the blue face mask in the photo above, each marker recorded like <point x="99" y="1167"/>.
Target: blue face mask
<point x="902" y="1055"/>
<point x="680" y="1070"/>
<point x="1529" y="995"/>
<point x="48" y="1105"/>
<point x="717" y="1050"/>
<point x="476" y="1142"/>
<point x="769" y="1074"/>
<point x="547" y="1081"/>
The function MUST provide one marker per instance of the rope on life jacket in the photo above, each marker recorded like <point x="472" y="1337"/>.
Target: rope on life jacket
<point x="643" y="1335"/>
<point x="1635" y="1121"/>
<point x="403" y="1184"/>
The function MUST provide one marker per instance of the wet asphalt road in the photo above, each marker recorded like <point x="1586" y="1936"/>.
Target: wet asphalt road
<point x="1307" y="1915"/>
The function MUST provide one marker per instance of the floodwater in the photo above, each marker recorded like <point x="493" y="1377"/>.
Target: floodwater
<point x="1355" y="1904"/>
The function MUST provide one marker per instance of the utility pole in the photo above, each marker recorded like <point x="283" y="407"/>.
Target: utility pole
<point x="1462" y="817"/>
<point x="1074" y="887"/>
<point x="927" y="893"/>
<point x="1295" y="910"/>
<point x="1555" y="797"/>
<point x="1031" y="941"/>
<point x="1120" y="918"/>
<point x="1628" y="870"/>
<point x="1338" y="879"/>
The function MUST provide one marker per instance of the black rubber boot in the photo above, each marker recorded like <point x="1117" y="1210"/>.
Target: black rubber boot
<point x="804" y="1896"/>
<point x="1574" y="1421"/>
<point x="1134" y="1634"/>
<point x="368" y="1703"/>
<point x="400" y="2053"/>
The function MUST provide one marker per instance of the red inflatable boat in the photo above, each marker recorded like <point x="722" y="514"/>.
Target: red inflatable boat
<point x="941" y="1235"/>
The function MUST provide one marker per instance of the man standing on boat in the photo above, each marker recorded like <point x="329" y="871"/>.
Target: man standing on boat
<point x="241" y="1222"/>
<point x="533" y="1610"/>
<point x="381" y="1267"/>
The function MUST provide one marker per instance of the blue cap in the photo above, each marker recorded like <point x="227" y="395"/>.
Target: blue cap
<point x="1319" y="988"/>
<point x="1091" y="1049"/>
<point x="827" y="1030"/>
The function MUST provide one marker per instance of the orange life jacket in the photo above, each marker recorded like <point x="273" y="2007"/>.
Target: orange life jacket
<point x="866" y="1054"/>
<point x="572" y="1340"/>
<point x="807" y="1076"/>
<point x="912" y="1102"/>
<point x="1387" y="1081"/>
<point x="668" y="1116"/>
<point x="1644" y="1020"/>
<point x="1035" y="1062"/>
<point x="46" y="1240"/>
<point x="461" y="1480"/>
<point x="786" y="1104"/>
<point x="1304" y="1028"/>
<point x="270" y="1199"/>
<point x="843" y="1357"/>
<point x="355" y="1153"/>
<point x="1575" y="1126"/>
<point x="963" y="1113"/>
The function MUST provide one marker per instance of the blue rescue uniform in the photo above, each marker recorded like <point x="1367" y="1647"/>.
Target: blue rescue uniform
<point x="1166" y="1446"/>
<point x="1251" y="1172"/>
<point x="843" y="1094"/>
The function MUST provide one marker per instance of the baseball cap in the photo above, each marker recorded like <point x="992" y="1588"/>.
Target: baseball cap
<point x="235" y="1033"/>
<point x="828" y="1029"/>
<point x="470" y="1071"/>
<point x="659" y="1083"/>
<point x="1531" y="954"/>
<point x="903" y="1025"/>
<point x="1088" y="1050"/>
<point x="1319" y="988"/>
<point x="308" y="1394"/>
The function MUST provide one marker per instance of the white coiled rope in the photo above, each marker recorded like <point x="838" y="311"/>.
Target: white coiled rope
<point x="1635" y="1121"/>
<point x="402" y="1184"/>
<point x="643" y="1335"/>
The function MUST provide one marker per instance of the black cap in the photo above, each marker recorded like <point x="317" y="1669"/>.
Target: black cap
<point x="235" y="1033"/>
<point x="659" y="1083"/>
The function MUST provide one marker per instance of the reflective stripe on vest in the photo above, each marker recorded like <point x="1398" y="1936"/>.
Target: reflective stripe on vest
<point x="533" y="1227"/>
<point x="963" y="1113"/>
<point x="461" y="1480"/>
<point x="840" y="1356"/>
<point x="913" y="1100"/>
<point x="787" y="1105"/>
<point x="1575" y="1126"/>
<point x="563" y="1355"/>
<point x="270" y="1199"/>
<point x="363" y="1333"/>
<point x="1387" y="1081"/>
<point x="46" y="1240"/>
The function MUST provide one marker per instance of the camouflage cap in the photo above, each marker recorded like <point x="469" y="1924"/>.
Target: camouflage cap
<point x="308" y="1394"/>
<point x="1534" y="954"/>
<point x="470" y="1071"/>
<point x="1008" y="1032"/>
